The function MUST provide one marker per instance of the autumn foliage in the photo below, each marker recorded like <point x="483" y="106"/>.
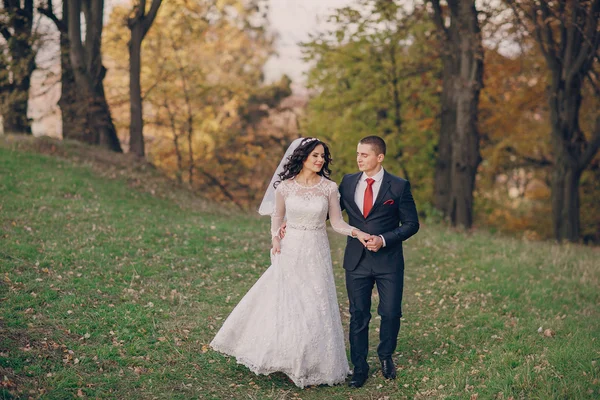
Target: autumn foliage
<point x="203" y="91"/>
<point x="212" y="121"/>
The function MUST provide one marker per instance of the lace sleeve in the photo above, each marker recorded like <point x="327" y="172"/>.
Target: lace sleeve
<point x="278" y="212"/>
<point x="335" y="212"/>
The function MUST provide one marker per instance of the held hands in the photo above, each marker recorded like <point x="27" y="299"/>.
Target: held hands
<point x="362" y="236"/>
<point x="371" y="242"/>
<point x="375" y="243"/>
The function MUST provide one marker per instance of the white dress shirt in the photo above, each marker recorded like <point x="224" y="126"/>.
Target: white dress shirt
<point x="359" y="195"/>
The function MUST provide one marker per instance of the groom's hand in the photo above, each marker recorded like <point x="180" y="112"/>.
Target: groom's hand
<point x="374" y="243"/>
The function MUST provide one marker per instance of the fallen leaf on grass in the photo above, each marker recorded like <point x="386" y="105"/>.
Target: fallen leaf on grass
<point x="549" y="333"/>
<point x="139" y="370"/>
<point x="7" y="383"/>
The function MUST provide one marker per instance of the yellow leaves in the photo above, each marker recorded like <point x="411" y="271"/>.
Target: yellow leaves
<point x="537" y="189"/>
<point x="513" y="104"/>
<point x="193" y="64"/>
<point x="223" y="4"/>
<point x="427" y="123"/>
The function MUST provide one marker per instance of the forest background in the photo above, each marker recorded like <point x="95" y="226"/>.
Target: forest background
<point x="490" y="108"/>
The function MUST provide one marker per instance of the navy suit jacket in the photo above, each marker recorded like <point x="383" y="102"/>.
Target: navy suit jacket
<point x="394" y="216"/>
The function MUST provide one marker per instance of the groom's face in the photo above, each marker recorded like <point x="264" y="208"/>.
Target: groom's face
<point x="367" y="159"/>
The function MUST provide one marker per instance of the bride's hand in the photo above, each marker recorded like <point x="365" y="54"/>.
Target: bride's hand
<point x="362" y="236"/>
<point x="276" y="249"/>
<point x="282" y="230"/>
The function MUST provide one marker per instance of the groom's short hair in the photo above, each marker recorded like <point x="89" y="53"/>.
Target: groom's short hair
<point x="376" y="142"/>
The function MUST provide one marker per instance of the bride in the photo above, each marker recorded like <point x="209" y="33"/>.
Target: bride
<point x="289" y="321"/>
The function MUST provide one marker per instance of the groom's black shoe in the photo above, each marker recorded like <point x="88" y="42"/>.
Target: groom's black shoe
<point x="388" y="369"/>
<point x="358" y="379"/>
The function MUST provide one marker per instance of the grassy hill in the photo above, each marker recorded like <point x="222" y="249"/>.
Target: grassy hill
<point x="114" y="281"/>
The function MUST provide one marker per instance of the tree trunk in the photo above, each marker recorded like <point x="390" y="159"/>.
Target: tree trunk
<point x="72" y="106"/>
<point x="465" y="160"/>
<point x="458" y="148"/>
<point x="442" y="177"/>
<point x="175" y="142"/>
<point x="465" y="152"/>
<point x="108" y="136"/>
<point x="190" y="133"/>
<point x="565" y="201"/>
<point x="20" y="66"/>
<point x="89" y="71"/>
<point x="14" y="117"/>
<point x="136" y="136"/>
<point x="567" y="139"/>
<point x="139" y="26"/>
<point x="23" y="62"/>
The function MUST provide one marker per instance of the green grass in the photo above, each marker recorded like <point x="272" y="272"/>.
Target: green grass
<point x="110" y="291"/>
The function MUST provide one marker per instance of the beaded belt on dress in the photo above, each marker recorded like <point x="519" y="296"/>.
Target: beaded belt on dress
<point x="306" y="227"/>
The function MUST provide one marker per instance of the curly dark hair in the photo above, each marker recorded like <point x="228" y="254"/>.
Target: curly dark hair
<point x="295" y="162"/>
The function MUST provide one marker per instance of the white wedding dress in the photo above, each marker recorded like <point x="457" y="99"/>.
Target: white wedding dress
<point x="289" y="321"/>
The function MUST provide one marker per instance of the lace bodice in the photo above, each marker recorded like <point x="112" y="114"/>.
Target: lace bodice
<point x="306" y="207"/>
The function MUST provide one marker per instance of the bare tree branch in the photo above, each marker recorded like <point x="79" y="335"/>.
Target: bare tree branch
<point x="528" y="160"/>
<point x="544" y="32"/>
<point x="591" y="75"/>
<point x="590" y="36"/>
<point x="149" y="19"/>
<point x="592" y="146"/>
<point x="438" y="17"/>
<point x="5" y="32"/>
<point x="48" y="11"/>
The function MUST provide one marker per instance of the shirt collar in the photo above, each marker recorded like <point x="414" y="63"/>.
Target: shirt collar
<point x="377" y="177"/>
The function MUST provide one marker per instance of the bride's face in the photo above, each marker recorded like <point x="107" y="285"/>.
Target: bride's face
<point x="315" y="160"/>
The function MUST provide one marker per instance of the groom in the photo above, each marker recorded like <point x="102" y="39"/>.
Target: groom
<point x="382" y="205"/>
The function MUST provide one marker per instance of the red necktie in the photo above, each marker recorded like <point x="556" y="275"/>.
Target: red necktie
<point x="368" y="202"/>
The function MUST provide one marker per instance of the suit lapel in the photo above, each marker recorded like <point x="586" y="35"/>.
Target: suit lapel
<point x="385" y="186"/>
<point x="352" y="193"/>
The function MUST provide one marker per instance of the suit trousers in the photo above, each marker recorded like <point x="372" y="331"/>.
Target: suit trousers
<point x="359" y="283"/>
